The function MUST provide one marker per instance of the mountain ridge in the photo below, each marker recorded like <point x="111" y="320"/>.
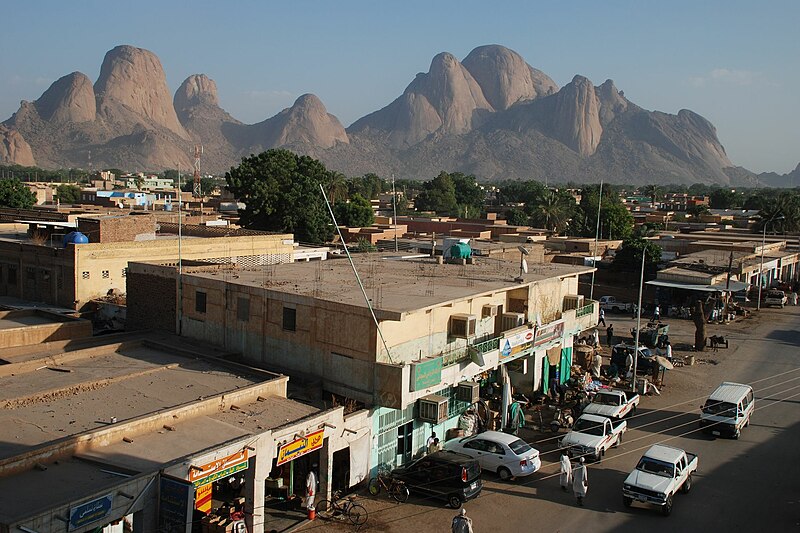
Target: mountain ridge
<point x="493" y="115"/>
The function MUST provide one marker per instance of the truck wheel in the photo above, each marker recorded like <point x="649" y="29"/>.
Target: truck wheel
<point x="626" y="501"/>
<point x="666" y="509"/>
<point x="687" y="485"/>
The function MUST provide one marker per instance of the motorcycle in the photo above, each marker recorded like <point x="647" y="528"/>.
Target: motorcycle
<point x="562" y="418"/>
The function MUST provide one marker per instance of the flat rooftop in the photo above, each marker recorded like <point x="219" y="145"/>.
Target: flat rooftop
<point x="52" y="393"/>
<point x="392" y="283"/>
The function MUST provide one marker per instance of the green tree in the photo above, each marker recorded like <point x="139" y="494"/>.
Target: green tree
<point x="14" y="194"/>
<point x="68" y="194"/>
<point x="781" y="215"/>
<point x="357" y="213"/>
<point x="207" y="185"/>
<point x="629" y="257"/>
<point x="369" y="186"/>
<point x="615" y="219"/>
<point x="697" y="210"/>
<point x="281" y="192"/>
<point x="551" y="210"/>
<point x="516" y="217"/>
<point x="438" y="195"/>
<point x="364" y="246"/>
<point x="171" y="174"/>
<point x="336" y="187"/>
<point x="520" y="191"/>
<point x="469" y="195"/>
<point x="725" y="199"/>
<point x="652" y="191"/>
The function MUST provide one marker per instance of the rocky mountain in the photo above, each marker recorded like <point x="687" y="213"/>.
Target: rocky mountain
<point x="773" y="179"/>
<point x="492" y="115"/>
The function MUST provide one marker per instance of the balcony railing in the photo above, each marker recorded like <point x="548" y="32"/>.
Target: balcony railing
<point x="585" y="310"/>
<point x="462" y="354"/>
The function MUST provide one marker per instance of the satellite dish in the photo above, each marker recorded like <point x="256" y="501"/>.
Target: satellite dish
<point x="523" y="250"/>
<point x="524" y="266"/>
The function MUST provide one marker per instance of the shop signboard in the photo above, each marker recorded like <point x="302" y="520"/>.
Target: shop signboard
<point x="549" y="333"/>
<point x="202" y="498"/>
<point x="90" y="512"/>
<point x="516" y="345"/>
<point x="299" y="447"/>
<point x="175" y="504"/>
<point x="218" y="469"/>
<point x="426" y="374"/>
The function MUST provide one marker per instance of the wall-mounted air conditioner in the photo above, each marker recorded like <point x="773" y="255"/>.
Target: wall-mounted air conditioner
<point x="573" y="301"/>
<point x="512" y="320"/>
<point x="432" y="408"/>
<point x="463" y="326"/>
<point x="468" y="391"/>
<point x="490" y="310"/>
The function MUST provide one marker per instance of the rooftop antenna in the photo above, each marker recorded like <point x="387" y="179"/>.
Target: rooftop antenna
<point x="596" y="236"/>
<point x="355" y="272"/>
<point x="197" y="189"/>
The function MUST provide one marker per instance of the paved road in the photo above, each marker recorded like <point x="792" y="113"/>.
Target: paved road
<point x="750" y="484"/>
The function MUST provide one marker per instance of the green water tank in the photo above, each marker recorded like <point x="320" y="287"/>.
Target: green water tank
<point x="460" y="250"/>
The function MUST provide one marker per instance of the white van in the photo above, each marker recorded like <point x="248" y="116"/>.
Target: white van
<point x="728" y="410"/>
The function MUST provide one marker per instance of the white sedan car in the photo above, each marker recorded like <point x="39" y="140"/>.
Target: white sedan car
<point x="507" y="455"/>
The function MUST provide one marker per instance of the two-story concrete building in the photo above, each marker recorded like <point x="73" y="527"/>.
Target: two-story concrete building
<point x="413" y="353"/>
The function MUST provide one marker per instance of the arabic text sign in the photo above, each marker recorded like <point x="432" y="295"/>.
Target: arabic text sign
<point x="230" y="464"/>
<point x="89" y="512"/>
<point x="426" y="373"/>
<point x="175" y="503"/>
<point x="301" y="446"/>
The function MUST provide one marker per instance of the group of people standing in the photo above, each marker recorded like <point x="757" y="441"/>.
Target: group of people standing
<point x="577" y="477"/>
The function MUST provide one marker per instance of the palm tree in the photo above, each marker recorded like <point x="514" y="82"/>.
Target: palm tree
<point x="337" y="187"/>
<point x="552" y="211"/>
<point x="652" y="191"/>
<point x="782" y="214"/>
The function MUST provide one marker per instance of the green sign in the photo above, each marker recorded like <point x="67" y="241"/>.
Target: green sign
<point x="426" y="374"/>
<point x="221" y="474"/>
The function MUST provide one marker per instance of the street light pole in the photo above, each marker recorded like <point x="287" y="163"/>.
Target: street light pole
<point x="638" y="323"/>
<point x="761" y="267"/>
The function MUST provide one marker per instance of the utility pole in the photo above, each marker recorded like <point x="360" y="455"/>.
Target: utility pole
<point x="596" y="236"/>
<point x="638" y="323"/>
<point x="394" y="208"/>
<point x="197" y="188"/>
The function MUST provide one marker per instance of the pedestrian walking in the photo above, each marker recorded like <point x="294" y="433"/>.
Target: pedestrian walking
<point x="610" y="335"/>
<point x="602" y="318"/>
<point x="580" y="482"/>
<point x="628" y="364"/>
<point x="565" y="478"/>
<point x="311" y="487"/>
<point x="793" y="298"/>
<point x="462" y="523"/>
<point x="668" y="347"/>
<point x="656" y="314"/>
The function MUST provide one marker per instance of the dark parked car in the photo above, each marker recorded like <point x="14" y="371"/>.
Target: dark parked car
<point x="451" y="476"/>
<point x="644" y="363"/>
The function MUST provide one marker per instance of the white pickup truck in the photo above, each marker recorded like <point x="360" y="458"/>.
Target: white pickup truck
<point x="609" y="303"/>
<point x="592" y="435"/>
<point x="661" y="471"/>
<point x="613" y="403"/>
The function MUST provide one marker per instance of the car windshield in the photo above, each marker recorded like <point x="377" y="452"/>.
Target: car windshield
<point x="654" y="466"/>
<point x="606" y="399"/>
<point x="713" y="407"/>
<point x="589" y="426"/>
<point x="519" y="447"/>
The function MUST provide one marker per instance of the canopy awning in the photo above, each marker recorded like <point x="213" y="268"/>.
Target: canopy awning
<point x="735" y="286"/>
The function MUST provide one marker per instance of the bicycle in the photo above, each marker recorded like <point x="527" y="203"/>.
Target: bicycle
<point x="343" y="508"/>
<point x="397" y="489"/>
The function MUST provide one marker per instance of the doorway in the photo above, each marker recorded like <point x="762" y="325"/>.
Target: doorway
<point x="405" y="444"/>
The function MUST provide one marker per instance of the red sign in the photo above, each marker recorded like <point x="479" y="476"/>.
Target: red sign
<point x="219" y="468"/>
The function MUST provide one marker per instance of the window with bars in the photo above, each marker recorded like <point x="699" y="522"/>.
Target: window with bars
<point x="200" y="301"/>
<point x="85" y="274"/>
<point x="105" y="274"/>
<point x="125" y="272"/>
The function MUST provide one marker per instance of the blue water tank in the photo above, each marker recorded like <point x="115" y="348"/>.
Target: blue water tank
<point x="460" y="250"/>
<point x="75" y="237"/>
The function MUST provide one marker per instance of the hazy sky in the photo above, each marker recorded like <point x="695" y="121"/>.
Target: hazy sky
<point x="737" y="63"/>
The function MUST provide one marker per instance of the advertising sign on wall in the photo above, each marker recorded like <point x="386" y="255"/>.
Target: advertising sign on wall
<point x="516" y="345"/>
<point x="552" y="332"/>
<point x="299" y="447"/>
<point x="426" y="374"/>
